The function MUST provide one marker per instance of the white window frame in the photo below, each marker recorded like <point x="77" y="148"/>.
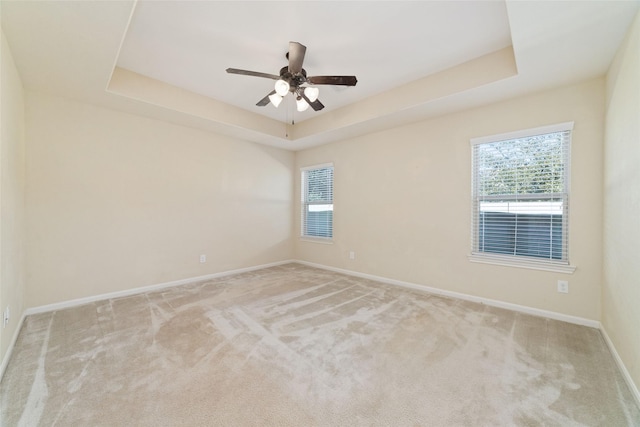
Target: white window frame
<point x="306" y="203"/>
<point x="561" y="266"/>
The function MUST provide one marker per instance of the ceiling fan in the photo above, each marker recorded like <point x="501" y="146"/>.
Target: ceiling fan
<point x="293" y="78"/>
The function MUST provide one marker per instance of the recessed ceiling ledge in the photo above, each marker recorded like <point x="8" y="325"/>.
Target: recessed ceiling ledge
<point x="151" y="91"/>
<point x="478" y="72"/>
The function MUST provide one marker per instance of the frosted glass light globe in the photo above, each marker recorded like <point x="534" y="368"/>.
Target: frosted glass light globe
<point x="311" y="93"/>
<point x="282" y="87"/>
<point x="275" y="99"/>
<point x="301" y="104"/>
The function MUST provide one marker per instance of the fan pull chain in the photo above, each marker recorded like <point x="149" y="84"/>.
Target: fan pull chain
<point x="287" y="118"/>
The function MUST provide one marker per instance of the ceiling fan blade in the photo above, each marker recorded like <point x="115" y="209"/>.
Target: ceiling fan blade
<point x="333" y="80"/>
<point x="296" y="57"/>
<point x="265" y="101"/>
<point x="316" y="105"/>
<point x="252" y="73"/>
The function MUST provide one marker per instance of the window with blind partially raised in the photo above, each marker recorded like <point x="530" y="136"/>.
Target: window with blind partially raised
<point x="317" y="202"/>
<point x="520" y="199"/>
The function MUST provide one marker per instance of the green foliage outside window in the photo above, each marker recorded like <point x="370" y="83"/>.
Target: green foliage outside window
<point x="532" y="166"/>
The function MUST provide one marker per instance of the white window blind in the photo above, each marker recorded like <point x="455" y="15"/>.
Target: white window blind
<point x="317" y="202"/>
<point x="521" y="195"/>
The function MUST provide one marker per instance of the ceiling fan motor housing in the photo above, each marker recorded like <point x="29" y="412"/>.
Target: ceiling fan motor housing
<point x="294" y="80"/>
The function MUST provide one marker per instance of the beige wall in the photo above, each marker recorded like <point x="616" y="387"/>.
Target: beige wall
<point x="621" y="289"/>
<point x="402" y="202"/>
<point x="117" y="201"/>
<point x="12" y="181"/>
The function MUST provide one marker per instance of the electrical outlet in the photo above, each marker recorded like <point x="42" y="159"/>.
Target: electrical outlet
<point x="352" y="255"/>
<point x="563" y="286"/>
<point x="203" y="259"/>
<point x="5" y="317"/>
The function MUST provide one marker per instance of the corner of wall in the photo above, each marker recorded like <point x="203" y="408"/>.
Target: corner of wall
<point x="621" y="177"/>
<point x="12" y="206"/>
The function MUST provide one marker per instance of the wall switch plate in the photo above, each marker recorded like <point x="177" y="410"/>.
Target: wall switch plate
<point x="563" y="286"/>
<point x="5" y="317"/>
<point x="203" y="259"/>
<point x="352" y="255"/>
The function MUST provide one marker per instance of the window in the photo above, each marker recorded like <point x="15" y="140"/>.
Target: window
<point x="317" y="201"/>
<point x="521" y="198"/>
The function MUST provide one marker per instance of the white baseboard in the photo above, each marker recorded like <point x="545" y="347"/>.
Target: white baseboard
<point x="623" y="369"/>
<point x="7" y="355"/>
<point x="494" y="303"/>
<point x="128" y="292"/>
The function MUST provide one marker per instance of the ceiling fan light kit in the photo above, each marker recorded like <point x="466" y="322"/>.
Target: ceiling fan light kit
<point x="312" y="93"/>
<point x="301" y="104"/>
<point x="282" y="87"/>
<point x="275" y="99"/>
<point x="292" y="78"/>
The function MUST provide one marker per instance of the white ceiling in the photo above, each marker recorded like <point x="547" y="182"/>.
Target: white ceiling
<point x="383" y="43"/>
<point x="413" y="59"/>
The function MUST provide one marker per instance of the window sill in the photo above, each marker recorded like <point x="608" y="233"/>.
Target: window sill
<point x="532" y="264"/>
<point x="322" y="240"/>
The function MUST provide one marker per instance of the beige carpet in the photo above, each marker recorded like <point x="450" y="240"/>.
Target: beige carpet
<point x="297" y="346"/>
